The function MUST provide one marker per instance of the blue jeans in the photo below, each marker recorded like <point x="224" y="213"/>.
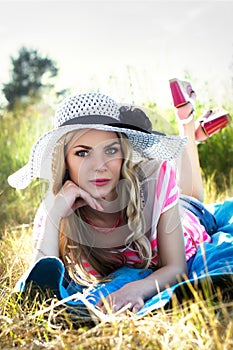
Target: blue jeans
<point x="197" y="208"/>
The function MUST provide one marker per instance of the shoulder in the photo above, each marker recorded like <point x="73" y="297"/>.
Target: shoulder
<point x="156" y="170"/>
<point x="167" y="172"/>
<point x="149" y="168"/>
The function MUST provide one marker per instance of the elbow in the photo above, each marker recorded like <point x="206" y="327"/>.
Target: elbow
<point x="199" y="195"/>
<point x="181" y="272"/>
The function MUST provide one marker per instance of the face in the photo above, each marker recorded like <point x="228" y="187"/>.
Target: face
<point x="94" y="162"/>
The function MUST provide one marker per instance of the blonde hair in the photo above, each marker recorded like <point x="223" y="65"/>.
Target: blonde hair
<point x="72" y="228"/>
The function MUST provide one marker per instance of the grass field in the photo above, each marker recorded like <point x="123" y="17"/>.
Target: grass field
<point x="41" y="324"/>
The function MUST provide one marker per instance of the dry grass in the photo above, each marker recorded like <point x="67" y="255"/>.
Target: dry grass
<point x="212" y="192"/>
<point x="39" y="324"/>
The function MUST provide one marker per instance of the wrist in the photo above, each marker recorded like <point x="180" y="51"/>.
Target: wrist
<point x="53" y="212"/>
<point x="54" y="217"/>
<point x="147" y="288"/>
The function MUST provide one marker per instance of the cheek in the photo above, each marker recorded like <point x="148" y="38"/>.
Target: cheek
<point x="116" y="167"/>
<point x="74" y="168"/>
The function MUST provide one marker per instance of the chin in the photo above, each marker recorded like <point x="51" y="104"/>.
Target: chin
<point x="104" y="194"/>
<point x="99" y="194"/>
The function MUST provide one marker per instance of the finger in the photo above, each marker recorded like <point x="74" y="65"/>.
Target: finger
<point x="80" y="196"/>
<point x="104" y="306"/>
<point x="136" y="308"/>
<point x="138" y="305"/>
<point x="83" y="198"/>
<point x="100" y="307"/>
<point x="109" y="304"/>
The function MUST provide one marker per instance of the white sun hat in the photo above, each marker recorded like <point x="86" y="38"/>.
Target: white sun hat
<point x="93" y="111"/>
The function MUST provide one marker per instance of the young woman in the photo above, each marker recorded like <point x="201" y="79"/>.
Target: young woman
<point x="114" y="199"/>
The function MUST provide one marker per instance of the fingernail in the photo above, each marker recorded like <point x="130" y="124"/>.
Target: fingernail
<point x="100" y="207"/>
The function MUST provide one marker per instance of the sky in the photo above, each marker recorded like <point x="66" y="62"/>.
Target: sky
<point x="128" y="49"/>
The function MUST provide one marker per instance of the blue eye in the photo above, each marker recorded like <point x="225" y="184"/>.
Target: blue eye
<point x="111" y="150"/>
<point x="81" y="153"/>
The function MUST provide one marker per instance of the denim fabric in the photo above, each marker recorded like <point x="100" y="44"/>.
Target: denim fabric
<point x="205" y="217"/>
<point x="49" y="272"/>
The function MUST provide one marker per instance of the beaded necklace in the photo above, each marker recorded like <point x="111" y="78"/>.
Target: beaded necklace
<point x="102" y="229"/>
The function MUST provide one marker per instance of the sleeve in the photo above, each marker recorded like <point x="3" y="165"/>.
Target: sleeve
<point x="167" y="187"/>
<point x="39" y="222"/>
<point x="41" y="216"/>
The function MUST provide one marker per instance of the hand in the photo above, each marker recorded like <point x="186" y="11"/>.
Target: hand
<point x="72" y="197"/>
<point x="129" y="295"/>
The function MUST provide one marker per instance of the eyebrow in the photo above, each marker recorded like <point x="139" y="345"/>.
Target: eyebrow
<point x="88" y="147"/>
<point x="83" y="146"/>
<point x="112" y="144"/>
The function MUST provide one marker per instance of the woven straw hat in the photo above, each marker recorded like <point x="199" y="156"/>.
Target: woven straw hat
<point x="93" y="111"/>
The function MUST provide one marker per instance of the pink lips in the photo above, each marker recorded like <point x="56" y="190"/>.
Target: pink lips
<point x="100" y="182"/>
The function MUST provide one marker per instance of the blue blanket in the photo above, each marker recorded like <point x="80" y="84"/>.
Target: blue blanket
<point x="211" y="266"/>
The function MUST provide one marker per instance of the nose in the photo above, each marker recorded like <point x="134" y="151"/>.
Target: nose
<point x="100" y="163"/>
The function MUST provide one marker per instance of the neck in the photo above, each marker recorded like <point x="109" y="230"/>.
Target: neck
<point x="104" y="224"/>
<point x="104" y="215"/>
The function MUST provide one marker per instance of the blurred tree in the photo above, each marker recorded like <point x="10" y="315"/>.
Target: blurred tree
<point x="30" y="73"/>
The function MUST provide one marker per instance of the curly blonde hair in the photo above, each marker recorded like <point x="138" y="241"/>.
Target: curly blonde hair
<point x="72" y="228"/>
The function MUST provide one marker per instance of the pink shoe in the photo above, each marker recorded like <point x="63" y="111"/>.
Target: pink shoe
<point x="210" y="123"/>
<point x="182" y="92"/>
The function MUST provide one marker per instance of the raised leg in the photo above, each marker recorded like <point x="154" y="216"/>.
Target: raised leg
<point x="189" y="171"/>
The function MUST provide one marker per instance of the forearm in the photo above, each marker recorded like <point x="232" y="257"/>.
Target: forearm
<point x="48" y="242"/>
<point x="162" y="278"/>
<point x="190" y="179"/>
<point x="134" y="294"/>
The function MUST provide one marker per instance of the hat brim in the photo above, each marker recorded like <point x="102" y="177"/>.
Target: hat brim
<point x="151" y="145"/>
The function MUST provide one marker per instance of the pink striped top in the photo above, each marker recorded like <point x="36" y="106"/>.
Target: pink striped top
<point x="194" y="232"/>
<point x="165" y="197"/>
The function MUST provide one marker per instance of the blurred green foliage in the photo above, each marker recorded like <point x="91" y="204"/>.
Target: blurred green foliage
<point x="19" y="130"/>
<point x="216" y="158"/>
